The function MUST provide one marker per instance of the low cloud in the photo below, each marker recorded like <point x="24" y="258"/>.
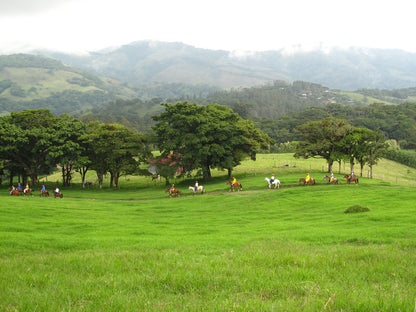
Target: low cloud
<point x="16" y="7"/>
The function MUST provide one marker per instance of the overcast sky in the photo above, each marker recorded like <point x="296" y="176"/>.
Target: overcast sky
<point x="234" y="25"/>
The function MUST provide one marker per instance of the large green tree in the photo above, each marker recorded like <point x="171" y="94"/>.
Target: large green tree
<point x="115" y="149"/>
<point x="207" y="137"/>
<point x="68" y="152"/>
<point x="26" y="139"/>
<point x="321" y="138"/>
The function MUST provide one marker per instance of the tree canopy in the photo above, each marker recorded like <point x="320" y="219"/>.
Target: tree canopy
<point x="336" y="140"/>
<point x="207" y="137"/>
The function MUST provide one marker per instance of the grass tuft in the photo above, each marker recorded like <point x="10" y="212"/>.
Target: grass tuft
<point x="356" y="209"/>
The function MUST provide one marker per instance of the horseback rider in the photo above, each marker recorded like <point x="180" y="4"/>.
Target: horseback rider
<point x="171" y="189"/>
<point x="26" y="188"/>
<point x="196" y="186"/>
<point x="56" y="192"/>
<point x="233" y="182"/>
<point x="272" y="179"/>
<point x="43" y="189"/>
<point x="332" y="177"/>
<point x="351" y="176"/>
<point x="19" y="186"/>
<point x="308" y="178"/>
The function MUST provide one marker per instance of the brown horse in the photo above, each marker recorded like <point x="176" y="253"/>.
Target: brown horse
<point x="174" y="192"/>
<point x="311" y="181"/>
<point x="44" y="193"/>
<point x="60" y="195"/>
<point x="13" y="192"/>
<point x="27" y="192"/>
<point x="349" y="180"/>
<point x="334" y="180"/>
<point x="237" y="185"/>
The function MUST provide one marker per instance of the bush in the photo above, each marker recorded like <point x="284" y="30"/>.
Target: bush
<point x="356" y="208"/>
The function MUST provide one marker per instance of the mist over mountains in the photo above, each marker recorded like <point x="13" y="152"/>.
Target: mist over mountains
<point x="145" y="62"/>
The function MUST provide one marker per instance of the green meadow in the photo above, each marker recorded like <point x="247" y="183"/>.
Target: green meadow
<point x="291" y="249"/>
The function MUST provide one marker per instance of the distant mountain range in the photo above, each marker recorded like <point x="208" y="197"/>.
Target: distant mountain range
<point x="147" y="62"/>
<point x="259" y="85"/>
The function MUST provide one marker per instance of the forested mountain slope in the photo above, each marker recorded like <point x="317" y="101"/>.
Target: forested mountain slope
<point x="350" y="69"/>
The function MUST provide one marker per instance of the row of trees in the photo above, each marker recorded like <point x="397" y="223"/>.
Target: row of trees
<point x="35" y="142"/>
<point x="397" y="122"/>
<point x="336" y="140"/>
<point x="190" y="136"/>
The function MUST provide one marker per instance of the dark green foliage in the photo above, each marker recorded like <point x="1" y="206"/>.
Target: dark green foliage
<point x="356" y="209"/>
<point x="207" y="137"/>
<point x="395" y="121"/>
<point x="5" y="84"/>
<point x="401" y="156"/>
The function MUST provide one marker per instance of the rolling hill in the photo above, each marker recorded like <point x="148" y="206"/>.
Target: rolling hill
<point x="350" y="69"/>
<point x="28" y="81"/>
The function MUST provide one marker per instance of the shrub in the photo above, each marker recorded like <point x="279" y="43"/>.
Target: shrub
<point x="356" y="208"/>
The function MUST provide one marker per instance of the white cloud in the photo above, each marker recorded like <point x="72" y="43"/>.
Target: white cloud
<point x="76" y="25"/>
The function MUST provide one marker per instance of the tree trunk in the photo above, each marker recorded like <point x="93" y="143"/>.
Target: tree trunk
<point x="230" y="172"/>
<point x="100" y="179"/>
<point x="116" y="178"/>
<point x="111" y="179"/>
<point x="207" y="173"/>
<point x="11" y="178"/>
<point x="34" y="179"/>
<point x="63" y="175"/>
<point x="83" y="173"/>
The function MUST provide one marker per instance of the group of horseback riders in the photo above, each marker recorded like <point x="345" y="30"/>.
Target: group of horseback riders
<point x="331" y="177"/>
<point x="27" y="190"/>
<point x="19" y="189"/>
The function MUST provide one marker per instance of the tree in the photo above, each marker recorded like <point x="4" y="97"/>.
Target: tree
<point x="207" y="137"/>
<point x="68" y="152"/>
<point x="320" y="139"/>
<point x="115" y="149"/>
<point x="376" y="146"/>
<point x="26" y="139"/>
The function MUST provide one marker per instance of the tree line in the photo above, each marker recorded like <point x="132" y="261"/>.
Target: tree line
<point x="396" y="122"/>
<point x="335" y="140"/>
<point x="191" y="137"/>
<point x="35" y="142"/>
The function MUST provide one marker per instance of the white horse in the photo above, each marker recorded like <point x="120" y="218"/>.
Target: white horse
<point x="200" y="188"/>
<point x="276" y="183"/>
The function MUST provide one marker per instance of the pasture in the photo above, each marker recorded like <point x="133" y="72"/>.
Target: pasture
<point x="292" y="249"/>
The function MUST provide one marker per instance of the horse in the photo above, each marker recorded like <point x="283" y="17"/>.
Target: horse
<point x="328" y="179"/>
<point x="200" y="188"/>
<point x="174" y="193"/>
<point x="27" y="192"/>
<point x="237" y="185"/>
<point x="13" y="192"/>
<point x="44" y="193"/>
<point x="311" y="181"/>
<point x="59" y="194"/>
<point x="276" y="183"/>
<point x="349" y="180"/>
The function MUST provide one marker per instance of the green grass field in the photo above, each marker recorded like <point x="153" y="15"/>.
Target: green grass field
<point x="292" y="249"/>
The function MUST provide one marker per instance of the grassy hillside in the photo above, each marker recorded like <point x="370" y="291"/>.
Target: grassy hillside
<point x="33" y="82"/>
<point x="134" y="249"/>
